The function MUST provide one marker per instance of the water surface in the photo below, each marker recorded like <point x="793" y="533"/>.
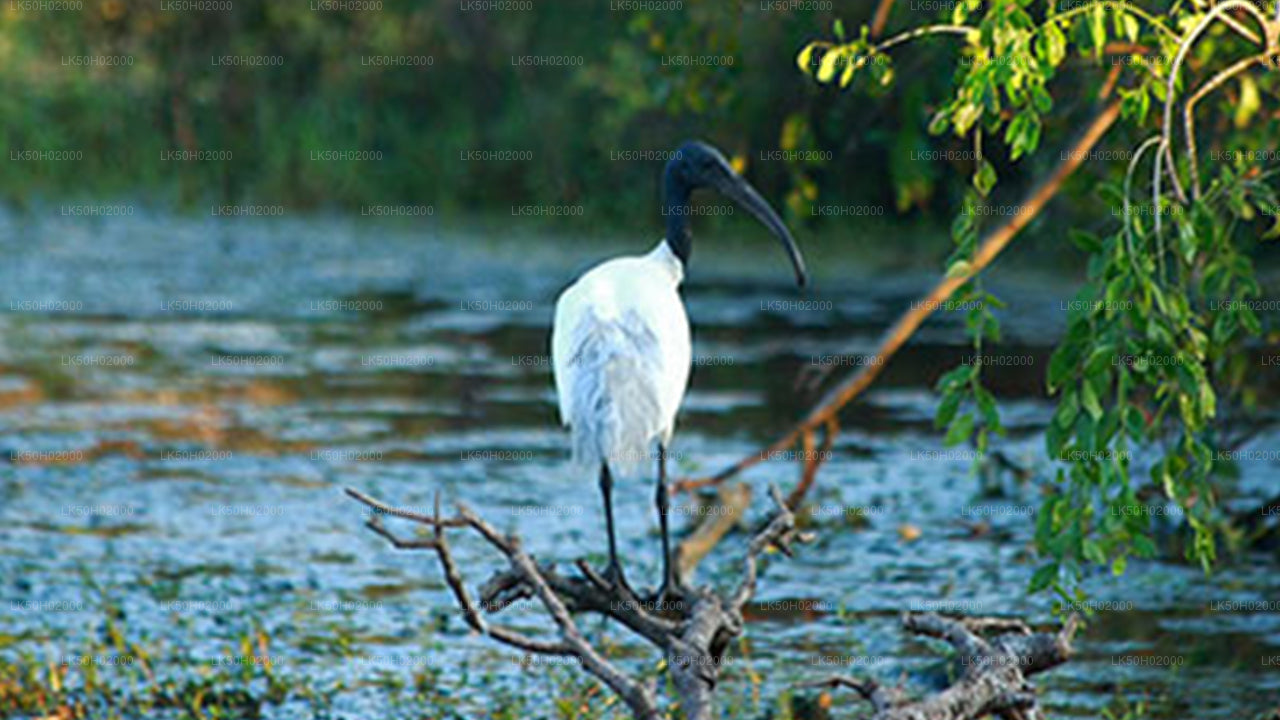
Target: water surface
<point x="181" y="402"/>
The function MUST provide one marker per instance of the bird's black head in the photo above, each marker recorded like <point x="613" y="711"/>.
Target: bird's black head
<point x="698" y="165"/>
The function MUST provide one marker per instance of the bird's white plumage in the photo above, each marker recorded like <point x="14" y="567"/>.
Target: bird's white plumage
<point x="621" y="353"/>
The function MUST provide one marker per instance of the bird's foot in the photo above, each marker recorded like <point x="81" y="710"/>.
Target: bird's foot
<point x="671" y="599"/>
<point x="617" y="580"/>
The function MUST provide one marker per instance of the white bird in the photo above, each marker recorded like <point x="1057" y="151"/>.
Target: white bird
<point x="620" y="343"/>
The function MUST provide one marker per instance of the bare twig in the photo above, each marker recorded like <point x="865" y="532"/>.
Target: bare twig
<point x="381" y="507"/>
<point x="638" y="697"/>
<point x="1189" y="40"/>
<point x="452" y="576"/>
<point x="981" y="625"/>
<point x="813" y="460"/>
<point x="1128" y="185"/>
<point x="779" y="533"/>
<point x="961" y="30"/>
<point x="882" y="699"/>
<point x="1239" y="28"/>
<point x="1189" y="118"/>
<point x="955" y="632"/>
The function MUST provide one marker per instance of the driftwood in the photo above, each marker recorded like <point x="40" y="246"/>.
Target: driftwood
<point x="993" y="673"/>
<point x="694" y="629"/>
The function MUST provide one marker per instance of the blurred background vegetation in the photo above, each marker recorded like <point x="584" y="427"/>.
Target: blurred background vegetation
<point x="627" y="95"/>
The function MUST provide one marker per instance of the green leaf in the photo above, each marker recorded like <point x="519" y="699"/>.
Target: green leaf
<point x="1089" y="399"/>
<point x="886" y="74"/>
<point x="955" y="378"/>
<point x="1274" y="232"/>
<point x="1131" y="28"/>
<point x="1143" y="546"/>
<point x="1249" y="320"/>
<point x="1250" y="102"/>
<point x="1061" y="363"/>
<point x="827" y="69"/>
<point x="965" y="117"/>
<point x="959" y="268"/>
<point x="1086" y="241"/>
<point x="1065" y="416"/>
<point x="947" y="408"/>
<point x="1118" y="565"/>
<point x="1041" y="98"/>
<point x="1101" y="357"/>
<point x="1044" y="577"/>
<point x="802" y="60"/>
<point x="1208" y="400"/>
<point x="987" y="406"/>
<point x="1134" y="422"/>
<point x="985" y="178"/>
<point x="1023" y="133"/>
<point x="1013" y="133"/>
<point x="846" y="77"/>
<point x="939" y="124"/>
<point x="1098" y="29"/>
<point x="1144" y="104"/>
<point x="961" y="429"/>
<point x="1093" y="552"/>
<point x="1055" y="44"/>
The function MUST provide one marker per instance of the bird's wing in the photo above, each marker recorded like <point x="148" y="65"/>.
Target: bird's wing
<point x="640" y="319"/>
<point x="566" y="332"/>
<point x="675" y="358"/>
<point x="621" y="354"/>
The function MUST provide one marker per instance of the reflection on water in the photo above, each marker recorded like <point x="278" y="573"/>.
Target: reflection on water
<point x="181" y="402"/>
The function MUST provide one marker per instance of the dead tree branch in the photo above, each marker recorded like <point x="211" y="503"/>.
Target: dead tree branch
<point x="693" y="630"/>
<point x="993" y="673"/>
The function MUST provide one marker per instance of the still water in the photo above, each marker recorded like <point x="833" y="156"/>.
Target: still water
<point x="181" y="402"/>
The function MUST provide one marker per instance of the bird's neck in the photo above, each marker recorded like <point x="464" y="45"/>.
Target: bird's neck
<point x="665" y="258"/>
<point x="676" y="209"/>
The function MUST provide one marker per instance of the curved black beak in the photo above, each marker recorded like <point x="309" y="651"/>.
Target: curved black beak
<point x="736" y="187"/>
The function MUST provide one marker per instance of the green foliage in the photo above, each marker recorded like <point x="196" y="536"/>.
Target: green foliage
<point x="1154" y="333"/>
<point x="966" y="408"/>
<point x="627" y="89"/>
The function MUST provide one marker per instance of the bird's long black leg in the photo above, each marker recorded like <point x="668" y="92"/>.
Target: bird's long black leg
<point x="669" y="580"/>
<point x="614" y="572"/>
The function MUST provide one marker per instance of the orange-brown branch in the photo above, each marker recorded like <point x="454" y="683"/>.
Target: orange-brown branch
<point x="881" y="18"/>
